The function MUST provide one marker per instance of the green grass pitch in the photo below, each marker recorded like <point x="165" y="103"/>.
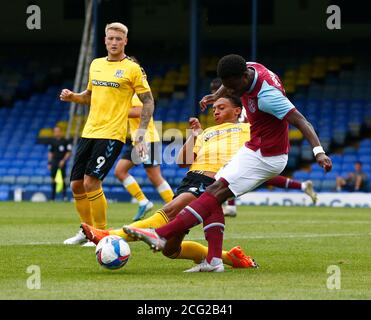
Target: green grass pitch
<point x="293" y="245"/>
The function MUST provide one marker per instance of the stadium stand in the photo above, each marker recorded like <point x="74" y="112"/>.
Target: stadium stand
<point x="330" y="91"/>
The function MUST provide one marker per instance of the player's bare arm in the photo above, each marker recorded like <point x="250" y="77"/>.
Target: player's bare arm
<point x="145" y="116"/>
<point x="135" y="112"/>
<point x="211" y="98"/>
<point x="147" y="111"/>
<point x="186" y="156"/>
<point x="298" y="120"/>
<point x="80" y="98"/>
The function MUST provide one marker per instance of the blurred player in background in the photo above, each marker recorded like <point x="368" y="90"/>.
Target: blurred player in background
<point x="113" y="80"/>
<point x="230" y="208"/>
<point x="353" y="181"/>
<point x="59" y="151"/>
<point x="151" y="165"/>
<point x="204" y="152"/>
<point x="262" y="157"/>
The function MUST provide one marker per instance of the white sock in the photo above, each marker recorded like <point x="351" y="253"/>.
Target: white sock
<point x="303" y="185"/>
<point x="216" y="261"/>
<point x="143" y="202"/>
<point x="163" y="187"/>
<point x="128" y="181"/>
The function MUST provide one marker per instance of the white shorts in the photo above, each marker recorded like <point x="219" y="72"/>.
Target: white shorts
<point x="248" y="169"/>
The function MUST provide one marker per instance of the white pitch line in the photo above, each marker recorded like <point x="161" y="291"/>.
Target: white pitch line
<point x="231" y="236"/>
<point x="290" y="236"/>
<point x="305" y="222"/>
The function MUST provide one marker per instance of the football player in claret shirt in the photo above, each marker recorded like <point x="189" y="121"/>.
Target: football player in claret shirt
<point x="113" y="80"/>
<point x="229" y="207"/>
<point x="264" y="156"/>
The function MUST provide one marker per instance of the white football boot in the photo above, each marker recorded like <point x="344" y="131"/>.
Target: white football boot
<point x="307" y="187"/>
<point x="79" y="238"/>
<point x="230" y="211"/>
<point x="215" y="265"/>
<point x="89" y="244"/>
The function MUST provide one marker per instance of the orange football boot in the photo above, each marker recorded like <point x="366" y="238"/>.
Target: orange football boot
<point x="240" y="259"/>
<point x="93" y="234"/>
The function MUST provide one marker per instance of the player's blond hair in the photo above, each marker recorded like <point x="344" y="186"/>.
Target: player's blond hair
<point x="118" y="27"/>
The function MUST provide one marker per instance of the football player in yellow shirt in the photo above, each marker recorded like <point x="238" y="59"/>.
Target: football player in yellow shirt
<point x="113" y="80"/>
<point x="151" y="165"/>
<point x="205" y="152"/>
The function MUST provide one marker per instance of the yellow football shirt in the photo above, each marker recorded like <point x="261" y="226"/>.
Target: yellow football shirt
<point x="113" y="84"/>
<point x="216" y="145"/>
<point x="151" y="134"/>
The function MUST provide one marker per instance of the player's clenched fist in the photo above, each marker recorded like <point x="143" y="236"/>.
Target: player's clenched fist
<point x="66" y="95"/>
<point x="324" y="161"/>
<point x="195" y="125"/>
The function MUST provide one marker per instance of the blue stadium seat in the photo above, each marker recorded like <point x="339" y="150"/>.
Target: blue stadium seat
<point x="8" y="179"/>
<point x="301" y="175"/>
<point x="22" y="180"/>
<point x="4" y="187"/>
<point x="328" y="185"/>
<point x="347" y="166"/>
<point x="350" y="151"/>
<point x="27" y="171"/>
<point x="41" y="171"/>
<point x="316" y="175"/>
<point x="13" y="171"/>
<point x="365" y="143"/>
<point x="365" y="159"/>
<point x="36" y="180"/>
<point x="45" y="188"/>
<point x="31" y="187"/>
<point x="4" y="196"/>
<point x="350" y="159"/>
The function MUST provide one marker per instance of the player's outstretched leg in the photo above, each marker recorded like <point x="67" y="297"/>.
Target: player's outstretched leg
<point x="148" y="236"/>
<point x="93" y="234"/>
<point x="239" y="259"/>
<point x="307" y="187"/>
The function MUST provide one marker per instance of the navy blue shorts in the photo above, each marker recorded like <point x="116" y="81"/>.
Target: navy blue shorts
<point x="95" y="157"/>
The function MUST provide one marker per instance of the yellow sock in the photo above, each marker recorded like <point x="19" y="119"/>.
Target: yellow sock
<point x="165" y="192"/>
<point x="98" y="207"/>
<point x="191" y="250"/>
<point x="225" y="258"/>
<point x="132" y="186"/>
<point x="197" y="252"/>
<point x="83" y="208"/>
<point x="158" y="219"/>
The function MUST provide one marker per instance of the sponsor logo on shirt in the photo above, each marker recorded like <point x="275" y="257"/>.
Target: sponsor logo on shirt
<point x="212" y="134"/>
<point x="100" y="83"/>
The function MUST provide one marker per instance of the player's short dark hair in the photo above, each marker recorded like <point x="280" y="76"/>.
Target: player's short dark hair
<point x="232" y="65"/>
<point x="236" y="101"/>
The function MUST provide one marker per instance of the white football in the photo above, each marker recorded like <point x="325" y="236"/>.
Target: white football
<point x="112" y="252"/>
